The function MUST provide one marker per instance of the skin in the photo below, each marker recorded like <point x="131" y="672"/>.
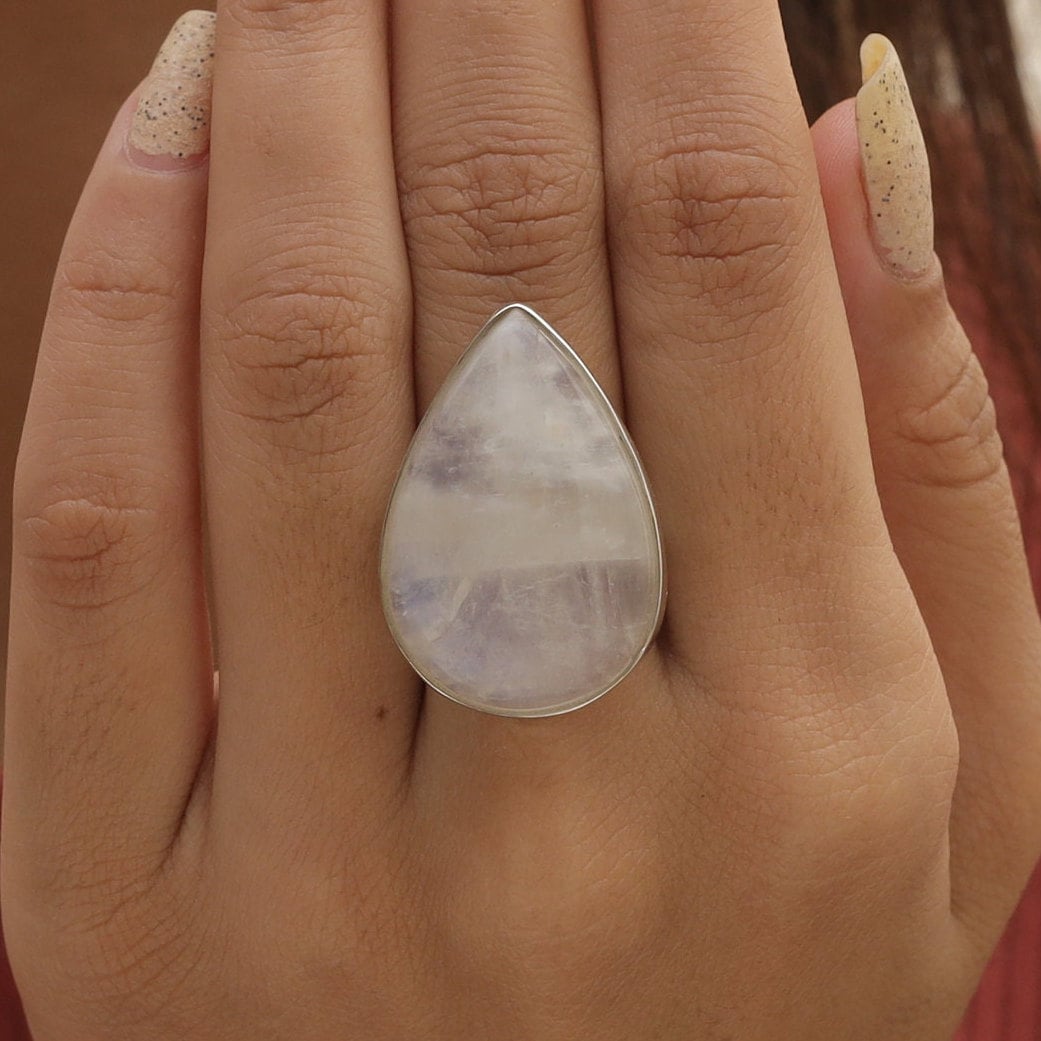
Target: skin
<point x="810" y="810"/>
<point x="67" y="70"/>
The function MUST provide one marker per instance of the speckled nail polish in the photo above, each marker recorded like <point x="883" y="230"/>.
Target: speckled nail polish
<point x="173" y="111"/>
<point x="895" y="162"/>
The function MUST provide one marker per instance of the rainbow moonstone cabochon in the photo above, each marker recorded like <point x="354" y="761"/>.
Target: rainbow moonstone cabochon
<point x="521" y="562"/>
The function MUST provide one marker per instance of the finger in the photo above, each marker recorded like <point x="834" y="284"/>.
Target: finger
<point x="944" y="487"/>
<point x="497" y="139"/>
<point x="741" y="385"/>
<point x="307" y="402"/>
<point x="109" y="688"/>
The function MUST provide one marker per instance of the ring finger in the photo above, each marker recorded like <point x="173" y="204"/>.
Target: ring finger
<point x="307" y="405"/>
<point x="740" y="375"/>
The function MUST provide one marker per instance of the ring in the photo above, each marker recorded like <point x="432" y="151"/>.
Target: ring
<point x="521" y="563"/>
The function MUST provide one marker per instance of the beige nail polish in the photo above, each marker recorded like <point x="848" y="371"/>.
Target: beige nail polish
<point x="895" y="162"/>
<point x="173" y="111"/>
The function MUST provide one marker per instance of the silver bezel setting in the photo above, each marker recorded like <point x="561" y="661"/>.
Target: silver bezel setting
<point x="572" y="355"/>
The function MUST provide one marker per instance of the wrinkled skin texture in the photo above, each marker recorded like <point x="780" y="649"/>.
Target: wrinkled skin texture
<point x="808" y="812"/>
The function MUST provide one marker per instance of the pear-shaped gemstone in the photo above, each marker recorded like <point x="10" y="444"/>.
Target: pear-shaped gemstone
<point x="521" y="562"/>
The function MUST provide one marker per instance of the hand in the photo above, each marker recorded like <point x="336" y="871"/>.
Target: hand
<point x="809" y="811"/>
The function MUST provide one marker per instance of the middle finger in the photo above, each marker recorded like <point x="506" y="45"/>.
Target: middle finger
<point x="497" y="140"/>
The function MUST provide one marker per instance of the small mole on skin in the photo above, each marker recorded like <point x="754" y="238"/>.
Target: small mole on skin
<point x="381" y="712"/>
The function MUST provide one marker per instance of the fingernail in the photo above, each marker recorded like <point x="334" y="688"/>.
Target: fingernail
<point x="171" y="126"/>
<point x="895" y="163"/>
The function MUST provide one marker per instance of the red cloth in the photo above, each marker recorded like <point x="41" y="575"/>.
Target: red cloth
<point x="1007" y="1006"/>
<point x="12" y="1020"/>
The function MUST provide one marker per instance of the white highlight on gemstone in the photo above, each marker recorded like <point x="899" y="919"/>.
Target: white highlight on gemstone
<point x="521" y="561"/>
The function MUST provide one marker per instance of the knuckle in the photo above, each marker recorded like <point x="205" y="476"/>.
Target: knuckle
<point x="897" y="784"/>
<point x="953" y="436"/>
<point x="88" y="881"/>
<point x="304" y="353"/>
<point x="582" y="882"/>
<point x="133" y="963"/>
<point x="507" y="212"/>
<point x="852" y="746"/>
<point x="714" y="211"/>
<point x="114" y="289"/>
<point x="92" y="548"/>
